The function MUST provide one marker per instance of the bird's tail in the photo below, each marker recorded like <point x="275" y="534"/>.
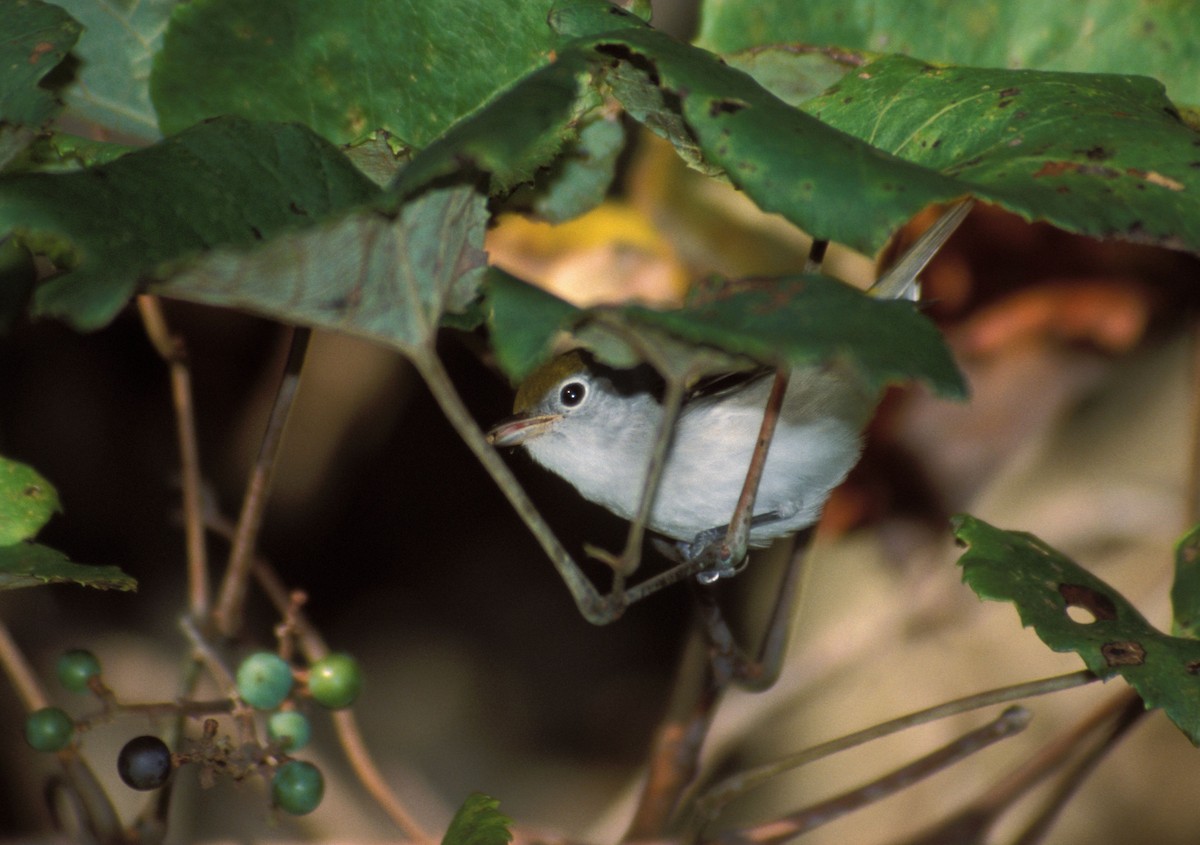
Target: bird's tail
<point x="900" y="281"/>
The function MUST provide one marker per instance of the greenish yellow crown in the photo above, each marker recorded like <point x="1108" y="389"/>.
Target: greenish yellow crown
<point x="545" y="377"/>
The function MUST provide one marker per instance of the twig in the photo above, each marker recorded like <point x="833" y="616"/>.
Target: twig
<point x="349" y="735"/>
<point x="171" y="349"/>
<point x="93" y="809"/>
<point x="715" y="799"/>
<point x="20" y="673"/>
<point x="228" y="613"/>
<point x="595" y="608"/>
<point x="973" y="821"/>
<point x="1192" y="494"/>
<point x="675" y="754"/>
<point x="1011" y="722"/>
<point x="729" y="661"/>
<point x="738" y="533"/>
<point x="1133" y="711"/>
<point x="631" y="555"/>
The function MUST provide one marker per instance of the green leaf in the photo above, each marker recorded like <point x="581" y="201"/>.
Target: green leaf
<point x="830" y="184"/>
<point x="797" y="320"/>
<point x="796" y="74"/>
<point x="1113" y="639"/>
<point x="369" y="274"/>
<point x="119" y="43"/>
<point x="478" y="822"/>
<point x="1097" y="154"/>
<point x="509" y="139"/>
<point x="27" y="501"/>
<point x="60" y="151"/>
<point x="410" y="67"/>
<point x="32" y="565"/>
<point x="226" y="182"/>
<point x="1151" y="37"/>
<point x="523" y="320"/>
<point x="1185" y="591"/>
<point x="34" y="38"/>
<point x="581" y="177"/>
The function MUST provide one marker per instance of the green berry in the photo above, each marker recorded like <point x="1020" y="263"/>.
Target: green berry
<point x="75" y="668"/>
<point x="144" y="763"/>
<point x="264" y="680"/>
<point x="335" y="681"/>
<point x="49" y="729"/>
<point x="289" y="728"/>
<point x="297" y="787"/>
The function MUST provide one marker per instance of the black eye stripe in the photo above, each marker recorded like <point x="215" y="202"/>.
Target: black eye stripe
<point x="572" y="394"/>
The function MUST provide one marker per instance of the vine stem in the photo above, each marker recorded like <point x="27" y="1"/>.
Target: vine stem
<point x="345" y="723"/>
<point x="92" y="807"/>
<point x="591" y="604"/>
<point x="172" y="350"/>
<point x="1009" y="723"/>
<point x="20" y="673"/>
<point x="709" y="805"/>
<point x="227" y="615"/>
<point x="972" y="822"/>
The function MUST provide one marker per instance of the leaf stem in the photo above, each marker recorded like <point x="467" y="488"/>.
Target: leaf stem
<point x="228" y="613"/>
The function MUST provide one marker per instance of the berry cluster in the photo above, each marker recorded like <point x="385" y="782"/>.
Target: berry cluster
<point x="264" y="681"/>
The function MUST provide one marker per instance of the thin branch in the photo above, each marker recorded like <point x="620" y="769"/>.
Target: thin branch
<point x="714" y="799"/>
<point x="631" y="555"/>
<point x="349" y="734"/>
<point x="1011" y="722"/>
<point x="93" y="810"/>
<point x="730" y="662"/>
<point x="1134" y="709"/>
<point x="1192" y="498"/>
<point x="171" y="349"/>
<point x="228" y="612"/>
<point x="738" y="534"/>
<point x="675" y="754"/>
<point x="20" y="673"/>
<point x="595" y="608"/>
<point x="973" y="821"/>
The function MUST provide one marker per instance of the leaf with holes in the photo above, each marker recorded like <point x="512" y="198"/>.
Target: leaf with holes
<point x="1098" y="154"/>
<point x="827" y="182"/>
<point x="34" y="38"/>
<point x="1149" y="37"/>
<point x="1108" y="632"/>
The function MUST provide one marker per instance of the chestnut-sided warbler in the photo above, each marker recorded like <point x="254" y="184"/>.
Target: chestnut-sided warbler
<point x="595" y="426"/>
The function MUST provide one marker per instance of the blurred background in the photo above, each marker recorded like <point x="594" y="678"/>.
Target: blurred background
<point x="480" y="673"/>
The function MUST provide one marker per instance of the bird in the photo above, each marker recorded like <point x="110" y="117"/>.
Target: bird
<point x="595" y="426"/>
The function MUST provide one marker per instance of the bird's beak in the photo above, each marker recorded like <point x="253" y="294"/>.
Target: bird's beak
<point x="517" y="429"/>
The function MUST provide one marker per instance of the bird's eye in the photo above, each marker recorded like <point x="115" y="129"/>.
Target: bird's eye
<point x="572" y="394"/>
